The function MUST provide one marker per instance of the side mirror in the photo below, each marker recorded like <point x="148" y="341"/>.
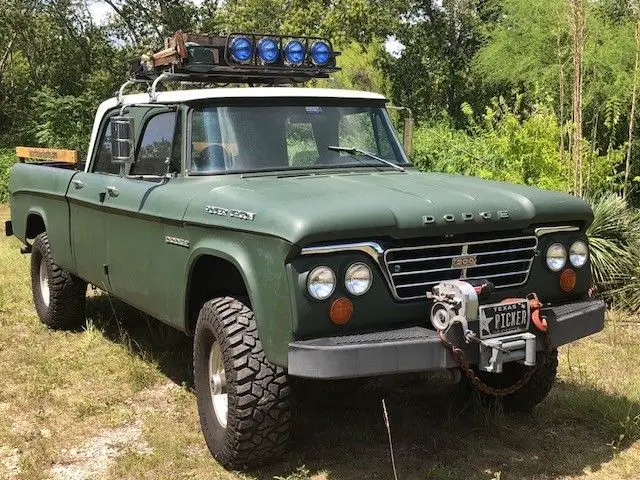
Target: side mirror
<point x="122" y="138"/>
<point x="407" y="136"/>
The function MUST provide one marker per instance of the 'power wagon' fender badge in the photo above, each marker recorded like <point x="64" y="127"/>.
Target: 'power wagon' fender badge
<point x="230" y="212"/>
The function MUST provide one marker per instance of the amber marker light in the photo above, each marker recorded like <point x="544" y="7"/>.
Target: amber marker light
<point x="567" y="280"/>
<point x="341" y="311"/>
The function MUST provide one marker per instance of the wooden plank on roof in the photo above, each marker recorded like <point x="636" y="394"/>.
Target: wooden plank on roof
<point x="50" y="154"/>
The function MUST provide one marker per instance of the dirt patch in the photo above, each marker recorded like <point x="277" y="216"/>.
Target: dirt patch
<point x="10" y="461"/>
<point x="92" y="460"/>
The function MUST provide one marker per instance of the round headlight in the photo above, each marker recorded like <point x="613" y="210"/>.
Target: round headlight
<point x="556" y="257"/>
<point x="578" y="254"/>
<point x="358" y="279"/>
<point x="321" y="283"/>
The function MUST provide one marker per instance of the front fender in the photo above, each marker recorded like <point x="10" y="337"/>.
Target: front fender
<point x="261" y="263"/>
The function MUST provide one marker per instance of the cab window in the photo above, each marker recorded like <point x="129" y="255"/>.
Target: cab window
<point x="102" y="163"/>
<point x="159" y="149"/>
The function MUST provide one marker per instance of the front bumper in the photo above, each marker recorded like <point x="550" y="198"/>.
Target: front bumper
<point x="418" y="349"/>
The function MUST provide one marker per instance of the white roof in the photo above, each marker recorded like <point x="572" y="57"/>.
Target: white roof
<point x="179" y="96"/>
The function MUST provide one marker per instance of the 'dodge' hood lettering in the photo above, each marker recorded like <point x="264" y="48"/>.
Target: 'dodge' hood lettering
<point x="305" y="209"/>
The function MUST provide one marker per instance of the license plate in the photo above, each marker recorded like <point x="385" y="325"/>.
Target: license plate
<point x="504" y="318"/>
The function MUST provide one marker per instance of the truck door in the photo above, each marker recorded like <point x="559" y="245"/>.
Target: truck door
<point x="86" y="196"/>
<point x="143" y="211"/>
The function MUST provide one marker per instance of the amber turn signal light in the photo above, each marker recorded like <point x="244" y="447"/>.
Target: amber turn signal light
<point x="567" y="280"/>
<point x="341" y="311"/>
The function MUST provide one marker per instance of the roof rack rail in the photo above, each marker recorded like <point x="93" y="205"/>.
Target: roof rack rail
<point x="235" y="58"/>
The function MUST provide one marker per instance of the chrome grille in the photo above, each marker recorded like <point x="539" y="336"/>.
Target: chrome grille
<point x="505" y="261"/>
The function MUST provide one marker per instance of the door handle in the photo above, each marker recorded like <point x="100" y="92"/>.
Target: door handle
<point x="113" y="191"/>
<point x="78" y="184"/>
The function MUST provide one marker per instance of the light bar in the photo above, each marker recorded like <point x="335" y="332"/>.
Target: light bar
<point x="239" y="58"/>
<point x="280" y="51"/>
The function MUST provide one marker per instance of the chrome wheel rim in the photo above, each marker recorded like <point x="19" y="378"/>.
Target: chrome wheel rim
<point x="218" y="384"/>
<point x="44" y="282"/>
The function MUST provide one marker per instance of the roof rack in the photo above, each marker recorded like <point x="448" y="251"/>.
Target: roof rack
<point x="235" y="58"/>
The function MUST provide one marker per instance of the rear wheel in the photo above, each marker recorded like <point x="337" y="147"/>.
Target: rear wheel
<point x="243" y="400"/>
<point x="58" y="295"/>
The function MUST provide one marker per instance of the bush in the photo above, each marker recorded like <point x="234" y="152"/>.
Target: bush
<point x="507" y="145"/>
<point x="614" y="237"/>
<point x="7" y="159"/>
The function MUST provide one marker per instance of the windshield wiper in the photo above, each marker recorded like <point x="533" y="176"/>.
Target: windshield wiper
<point x="353" y="151"/>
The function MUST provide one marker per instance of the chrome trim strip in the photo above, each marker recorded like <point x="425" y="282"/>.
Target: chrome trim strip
<point x="547" y="230"/>
<point x="447" y="257"/>
<point x="460" y="244"/>
<point x="373" y="249"/>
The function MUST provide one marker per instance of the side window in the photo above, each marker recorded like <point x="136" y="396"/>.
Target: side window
<point x="356" y="130"/>
<point x="154" y="155"/>
<point x="301" y="144"/>
<point x="102" y="163"/>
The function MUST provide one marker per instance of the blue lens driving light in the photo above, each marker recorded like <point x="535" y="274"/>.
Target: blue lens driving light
<point x="268" y="50"/>
<point x="241" y="49"/>
<point x="294" y="52"/>
<point x="321" y="53"/>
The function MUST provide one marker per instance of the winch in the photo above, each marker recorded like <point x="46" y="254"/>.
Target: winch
<point x="457" y="301"/>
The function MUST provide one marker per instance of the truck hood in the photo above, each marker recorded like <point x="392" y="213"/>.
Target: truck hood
<point x="306" y="209"/>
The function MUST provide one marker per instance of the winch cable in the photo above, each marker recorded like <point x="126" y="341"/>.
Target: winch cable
<point x="460" y="358"/>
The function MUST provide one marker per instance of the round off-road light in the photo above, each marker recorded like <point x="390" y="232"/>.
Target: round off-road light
<point x="321" y="283"/>
<point x="556" y="257"/>
<point x="241" y="49"/>
<point x="358" y="279"/>
<point x="268" y="50"/>
<point x="295" y="52"/>
<point x="321" y="53"/>
<point x="578" y="254"/>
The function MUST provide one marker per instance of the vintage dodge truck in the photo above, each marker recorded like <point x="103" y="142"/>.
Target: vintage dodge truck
<point x="286" y="230"/>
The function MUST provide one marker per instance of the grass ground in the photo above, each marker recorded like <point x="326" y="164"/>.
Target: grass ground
<point x="114" y="400"/>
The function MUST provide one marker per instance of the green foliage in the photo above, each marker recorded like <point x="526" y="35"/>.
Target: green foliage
<point x="7" y="159"/>
<point x="360" y="69"/>
<point x="614" y="237"/>
<point x="503" y="145"/>
<point x="63" y="121"/>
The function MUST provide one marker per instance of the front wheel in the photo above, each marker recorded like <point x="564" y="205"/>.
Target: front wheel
<point x="243" y="400"/>
<point x="531" y="393"/>
<point x="58" y="295"/>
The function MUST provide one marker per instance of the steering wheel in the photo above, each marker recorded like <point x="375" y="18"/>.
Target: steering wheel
<point x="210" y="158"/>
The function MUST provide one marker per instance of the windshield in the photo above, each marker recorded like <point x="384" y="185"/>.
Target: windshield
<point x="241" y="139"/>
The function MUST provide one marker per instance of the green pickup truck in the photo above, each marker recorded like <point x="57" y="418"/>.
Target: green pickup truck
<point x="286" y="230"/>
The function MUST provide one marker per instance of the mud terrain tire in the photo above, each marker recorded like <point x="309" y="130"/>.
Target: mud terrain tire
<point x="533" y="392"/>
<point x="58" y="295"/>
<point x="258" y="394"/>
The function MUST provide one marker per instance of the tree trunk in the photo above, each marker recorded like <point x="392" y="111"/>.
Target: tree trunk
<point x="632" y="114"/>
<point x="578" y="36"/>
<point x="561" y="99"/>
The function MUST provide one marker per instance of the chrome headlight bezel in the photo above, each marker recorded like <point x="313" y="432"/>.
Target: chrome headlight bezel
<point x="349" y="280"/>
<point x="558" y="261"/>
<point x="579" y="253"/>
<point x="318" y="280"/>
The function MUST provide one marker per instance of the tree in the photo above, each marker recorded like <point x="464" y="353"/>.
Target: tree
<point x="433" y="74"/>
